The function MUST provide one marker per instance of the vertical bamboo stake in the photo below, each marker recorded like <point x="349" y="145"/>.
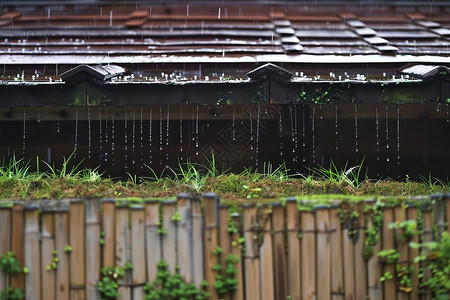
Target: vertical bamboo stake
<point x="76" y="235"/>
<point x="108" y="207"/>
<point x="426" y="237"/>
<point x="211" y="232"/>
<point x="184" y="232"/>
<point x="323" y="271"/>
<point x="224" y="235"/>
<point x="17" y="242"/>
<point x="308" y="249"/>
<point x="47" y="247"/>
<point x="123" y="253"/>
<point x="61" y="219"/>
<point x="412" y="213"/>
<point x="447" y="206"/>
<point x="347" y="259"/>
<point x="293" y="244"/>
<point x="197" y="241"/>
<point x="373" y="264"/>
<point x="236" y="250"/>
<point x="251" y="270"/>
<point x="138" y="250"/>
<point x="32" y="253"/>
<point x="438" y="212"/>
<point x="169" y="242"/>
<point x="279" y="251"/>
<point x="266" y="255"/>
<point x="152" y="238"/>
<point x="401" y="246"/>
<point x="92" y="253"/>
<point x="360" y="263"/>
<point x="5" y="239"/>
<point x="388" y="243"/>
<point x="337" y="273"/>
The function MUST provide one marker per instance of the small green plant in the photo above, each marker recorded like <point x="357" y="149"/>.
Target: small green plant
<point x="53" y="265"/>
<point x="404" y="278"/>
<point x="226" y="281"/>
<point x="176" y="217"/>
<point x="372" y="234"/>
<point x="9" y="263"/>
<point x="351" y="176"/>
<point x="388" y="256"/>
<point x="67" y="249"/>
<point x="386" y="276"/>
<point x="407" y="227"/>
<point x="108" y="285"/>
<point x="11" y="293"/>
<point x="252" y="192"/>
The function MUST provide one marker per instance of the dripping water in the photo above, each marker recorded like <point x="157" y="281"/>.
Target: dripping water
<point x="378" y="140"/>
<point x="150" y="135"/>
<point x="356" y="129"/>
<point x="304" y="133"/>
<point x="291" y="119"/>
<point x="76" y="133"/>
<point x="126" y="140"/>
<point x="234" y="127"/>
<point x="167" y="133"/>
<point x="57" y="122"/>
<point x="181" y="131"/>
<point x="133" y="138"/>
<point x="447" y="113"/>
<point x="24" y="133"/>
<point x="112" y="138"/>
<point x="39" y="117"/>
<point x="89" y="133"/>
<point x="280" y="125"/>
<point x="160" y="136"/>
<point x="257" y="139"/>
<point x="296" y="134"/>
<point x="387" y="135"/>
<point x="100" y="133"/>
<point x="106" y="133"/>
<point x="196" y="131"/>
<point x="398" y="136"/>
<point x="251" y="132"/>
<point x="313" y="136"/>
<point x="336" y="127"/>
<point x="142" y="141"/>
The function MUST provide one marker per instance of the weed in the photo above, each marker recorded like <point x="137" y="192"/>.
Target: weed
<point x="388" y="256"/>
<point x="14" y="169"/>
<point x="9" y="263"/>
<point x="11" y="293"/>
<point x="108" y="286"/>
<point x="350" y="176"/>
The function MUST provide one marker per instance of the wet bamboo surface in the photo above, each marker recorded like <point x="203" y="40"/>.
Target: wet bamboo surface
<point x="282" y="251"/>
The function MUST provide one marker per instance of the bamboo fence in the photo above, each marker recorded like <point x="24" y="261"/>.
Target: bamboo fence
<point x="284" y="251"/>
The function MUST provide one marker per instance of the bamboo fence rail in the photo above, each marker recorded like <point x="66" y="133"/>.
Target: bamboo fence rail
<point x="284" y="251"/>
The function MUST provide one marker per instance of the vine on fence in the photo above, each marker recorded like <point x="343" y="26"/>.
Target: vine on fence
<point x="9" y="264"/>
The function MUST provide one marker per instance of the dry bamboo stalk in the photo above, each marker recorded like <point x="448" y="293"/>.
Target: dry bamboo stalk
<point x="236" y="250"/>
<point x="389" y="286"/>
<point x="412" y="213"/>
<point x="347" y="259"/>
<point x="61" y="219"/>
<point x="32" y="253"/>
<point x="17" y="242"/>
<point x="251" y="269"/>
<point x="401" y="246"/>
<point x="308" y="253"/>
<point x="197" y="241"/>
<point x="427" y="236"/>
<point x="76" y="238"/>
<point x="47" y="247"/>
<point x="123" y="253"/>
<point x="211" y="236"/>
<point x="184" y="232"/>
<point x="169" y="241"/>
<point x="266" y="255"/>
<point x="138" y="251"/>
<point x="279" y="251"/>
<point x="323" y="270"/>
<point x="337" y="272"/>
<point x="360" y="263"/>
<point x="92" y="253"/>
<point x="152" y="238"/>
<point x="373" y="264"/>
<point x="108" y="207"/>
<point x="5" y="241"/>
<point x="293" y="244"/>
<point x="438" y="212"/>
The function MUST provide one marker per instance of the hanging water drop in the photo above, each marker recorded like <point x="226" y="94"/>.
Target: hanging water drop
<point x="398" y="136"/>
<point x="24" y="134"/>
<point x="126" y="140"/>
<point x="112" y="138"/>
<point x="280" y="126"/>
<point x="251" y="131"/>
<point x="356" y="128"/>
<point x="336" y="127"/>
<point x="133" y="139"/>
<point x="100" y="133"/>
<point x="304" y="133"/>
<point x="196" y="131"/>
<point x="57" y="123"/>
<point x="76" y="133"/>
<point x="167" y="132"/>
<point x="160" y="136"/>
<point x="181" y="130"/>
<point x="89" y="133"/>
<point x="387" y="128"/>
<point x="142" y="141"/>
<point x="234" y="126"/>
<point x="313" y="136"/>
<point x="257" y="139"/>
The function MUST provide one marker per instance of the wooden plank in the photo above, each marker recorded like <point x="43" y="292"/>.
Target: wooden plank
<point x="293" y="244"/>
<point x="359" y="262"/>
<point x="152" y="238"/>
<point x="236" y="250"/>
<point x="184" y="232"/>
<point x="47" y="247"/>
<point x="279" y="251"/>
<point x="76" y="241"/>
<point x="32" y="253"/>
<point x="389" y="286"/>
<point x="347" y="260"/>
<point x="61" y="219"/>
<point x="252" y="268"/>
<point x="266" y="255"/>
<point x="337" y="271"/>
<point x="17" y="242"/>
<point x="5" y="241"/>
<point x="138" y="251"/>
<point x="123" y="253"/>
<point x="308" y="253"/>
<point x="92" y="254"/>
<point x="211" y="237"/>
<point x="108" y="207"/>
<point x="373" y="264"/>
<point x="412" y="214"/>
<point x="197" y="241"/>
<point x="169" y="242"/>
<point x="323" y="269"/>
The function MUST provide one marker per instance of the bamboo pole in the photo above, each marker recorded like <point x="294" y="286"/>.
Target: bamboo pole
<point x="347" y="259"/>
<point x="402" y="246"/>
<point x="323" y="270"/>
<point x="184" y="232"/>
<point x="169" y="243"/>
<point x="32" y="253"/>
<point x="412" y="214"/>
<point x="138" y="250"/>
<point x="438" y="213"/>
<point x="389" y="286"/>
<point x="61" y="219"/>
<point x="360" y="263"/>
<point x="293" y="244"/>
<point x="252" y="269"/>
<point x="47" y="248"/>
<point x="108" y="207"/>
<point x="211" y="232"/>
<point x="77" y="259"/>
<point x="373" y="264"/>
<point x="337" y="272"/>
<point x="197" y="241"/>
<point x="17" y="242"/>
<point x="123" y="253"/>
<point x="308" y="255"/>
<point x="279" y="251"/>
<point x="266" y="254"/>
<point x="427" y="236"/>
<point x="92" y="254"/>
<point x="152" y="238"/>
<point x="224" y="235"/>
<point x="236" y="250"/>
<point x="5" y="240"/>
<point x="447" y="206"/>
